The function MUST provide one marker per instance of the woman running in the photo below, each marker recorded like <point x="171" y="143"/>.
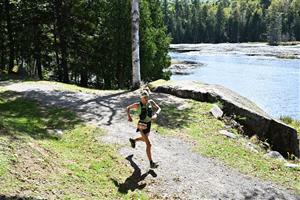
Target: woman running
<point x="145" y="112"/>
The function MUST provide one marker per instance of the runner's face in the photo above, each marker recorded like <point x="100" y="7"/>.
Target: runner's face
<point x="144" y="100"/>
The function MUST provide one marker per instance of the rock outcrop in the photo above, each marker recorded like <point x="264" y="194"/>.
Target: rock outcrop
<point x="280" y="136"/>
<point x="183" y="67"/>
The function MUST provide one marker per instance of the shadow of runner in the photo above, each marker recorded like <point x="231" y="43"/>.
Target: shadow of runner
<point x="132" y="182"/>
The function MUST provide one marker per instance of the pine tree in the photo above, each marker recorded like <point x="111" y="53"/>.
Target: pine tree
<point x="295" y="9"/>
<point x="274" y="30"/>
<point x="220" y="23"/>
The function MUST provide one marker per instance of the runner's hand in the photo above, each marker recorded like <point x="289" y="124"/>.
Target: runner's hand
<point x="154" y="117"/>
<point x="129" y="118"/>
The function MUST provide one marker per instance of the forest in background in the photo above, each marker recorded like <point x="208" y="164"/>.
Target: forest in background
<point x="216" y="21"/>
<point x="89" y="42"/>
<point x="80" y="41"/>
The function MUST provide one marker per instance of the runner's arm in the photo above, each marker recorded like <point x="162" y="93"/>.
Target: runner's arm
<point x="158" y="109"/>
<point x="132" y="106"/>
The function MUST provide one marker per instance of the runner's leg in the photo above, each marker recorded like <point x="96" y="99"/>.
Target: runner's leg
<point x="148" y="145"/>
<point x="139" y="139"/>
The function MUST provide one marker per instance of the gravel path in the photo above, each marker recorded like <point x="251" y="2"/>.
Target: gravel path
<point x="182" y="174"/>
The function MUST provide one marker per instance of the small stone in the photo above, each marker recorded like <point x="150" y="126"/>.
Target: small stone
<point x="251" y="147"/>
<point x="59" y="132"/>
<point x="291" y="165"/>
<point x="275" y="155"/>
<point x="183" y="107"/>
<point x="216" y="112"/>
<point x="228" y="134"/>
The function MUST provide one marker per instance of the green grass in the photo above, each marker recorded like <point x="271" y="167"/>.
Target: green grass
<point x="37" y="163"/>
<point x="3" y="158"/>
<point x="292" y="122"/>
<point x="57" y="85"/>
<point x="196" y="125"/>
<point x="72" y="87"/>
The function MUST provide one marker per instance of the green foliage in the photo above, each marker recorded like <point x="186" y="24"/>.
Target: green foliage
<point x="274" y="22"/>
<point x="83" y="42"/>
<point x="218" y="21"/>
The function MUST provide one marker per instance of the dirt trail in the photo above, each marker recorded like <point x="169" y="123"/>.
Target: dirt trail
<point x="182" y="174"/>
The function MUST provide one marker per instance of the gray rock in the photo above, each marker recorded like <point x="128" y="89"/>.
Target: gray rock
<point x="181" y="69"/>
<point x="280" y="136"/>
<point x="251" y="147"/>
<point x="58" y="132"/>
<point x="183" y="107"/>
<point x="216" y="112"/>
<point x="275" y="155"/>
<point x="228" y="134"/>
<point x="184" y="68"/>
<point x="291" y="165"/>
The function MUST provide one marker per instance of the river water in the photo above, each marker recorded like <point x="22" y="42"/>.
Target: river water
<point x="272" y="83"/>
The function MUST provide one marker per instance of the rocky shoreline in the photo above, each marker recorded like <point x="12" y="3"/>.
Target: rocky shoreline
<point x="281" y="137"/>
<point x="248" y="49"/>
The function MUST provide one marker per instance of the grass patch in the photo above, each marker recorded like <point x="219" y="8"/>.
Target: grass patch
<point x="19" y="116"/>
<point x="36" y="163"/>
<point x="3" y="159"/>
<point x="197" y="125"/>
<point x="291" y="122"/>
<point x="90" y="165"/>
<point x="72" y="87"/>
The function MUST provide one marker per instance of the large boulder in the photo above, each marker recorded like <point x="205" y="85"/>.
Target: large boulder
<point x="274" y="154"/>
<point x="280" y="136"/>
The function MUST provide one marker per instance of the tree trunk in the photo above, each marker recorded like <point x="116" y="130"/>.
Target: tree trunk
<point x="120" y="75"/>
<point x="59" y="70"/>
<point x="39" y="65"/>
<point x="136" y="71"/>
<point x="64" y="63"/>
<point x="10" y="37"/>
<point x="60" y="20"/>
<point x="37" y="43"/>
<point x="84" y="77"/>
<point x="2" y="63"/>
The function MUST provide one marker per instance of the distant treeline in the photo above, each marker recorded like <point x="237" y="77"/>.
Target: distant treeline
<point x="196" y="21"/>
<point x="80" y="41"/>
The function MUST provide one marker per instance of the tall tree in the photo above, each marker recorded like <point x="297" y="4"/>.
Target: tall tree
<point x="84" y="42"/>
<point x="62" y="15"/>
<point x="11" y="45"/>
<point x="2" y="37"/>
<point x="220" y="23"/>
<point x="231" y="20"/>
<point x="136" y="72"/>
<point x="274" y="23"/>
<point x="295" y="9"/>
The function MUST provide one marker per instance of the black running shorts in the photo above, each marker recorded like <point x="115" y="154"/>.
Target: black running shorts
<point x="147" y="130"/>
